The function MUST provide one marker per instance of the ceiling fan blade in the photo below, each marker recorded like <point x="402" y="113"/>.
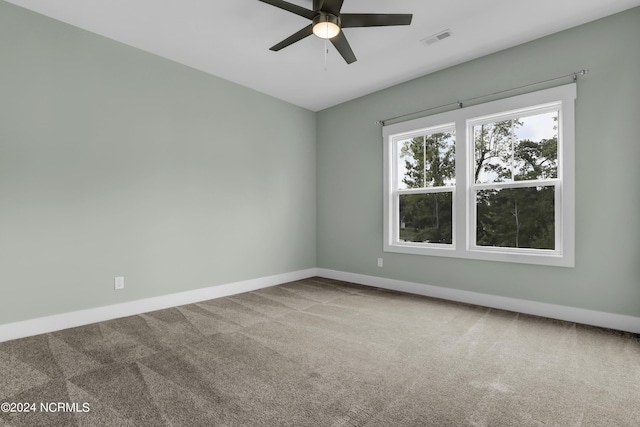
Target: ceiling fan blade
<point x="331" y="6"/>
<point x="306" y="31"/>
<point x="290" y="7"/>
<point x="353" y="20"/>
<point x="342" y="45"/>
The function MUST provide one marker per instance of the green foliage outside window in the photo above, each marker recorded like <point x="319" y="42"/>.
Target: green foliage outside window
<point x="429" y="162"/>
<point x="505" y="151"/>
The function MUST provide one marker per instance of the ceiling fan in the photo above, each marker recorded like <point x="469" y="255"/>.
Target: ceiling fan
<point x="327" y="23"/>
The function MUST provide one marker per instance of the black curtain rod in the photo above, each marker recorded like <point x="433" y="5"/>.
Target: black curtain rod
<point x="460" y="104"/>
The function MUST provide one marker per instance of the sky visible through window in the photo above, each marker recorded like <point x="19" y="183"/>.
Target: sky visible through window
<point x="501" y="163"/>
<point x="404" y="156"/>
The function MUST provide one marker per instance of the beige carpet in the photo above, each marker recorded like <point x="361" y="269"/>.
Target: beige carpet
<point x="324" y="353"/>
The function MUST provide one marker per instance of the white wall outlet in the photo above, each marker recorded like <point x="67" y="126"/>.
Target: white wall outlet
<point x="119" y="283"/>
<point x="380" y="262"/>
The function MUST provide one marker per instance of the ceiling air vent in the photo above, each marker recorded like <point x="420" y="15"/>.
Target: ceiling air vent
<point x="437" y="37"/>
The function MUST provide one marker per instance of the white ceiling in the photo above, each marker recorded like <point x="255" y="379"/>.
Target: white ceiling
<point x="231" y="38"/>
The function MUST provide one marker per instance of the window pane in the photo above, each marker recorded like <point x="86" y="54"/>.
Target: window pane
<point x="426" y="218"/>
<point x="427" y="161"/>
<point x="410" y="163"/>
<point x="519" y="149"/>
<point x="536" y="147"/>
<point x="516" y="218"/>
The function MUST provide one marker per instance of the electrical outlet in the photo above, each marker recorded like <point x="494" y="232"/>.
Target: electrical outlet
<point x="380" y="262"/>
<point x="119" y="283"/>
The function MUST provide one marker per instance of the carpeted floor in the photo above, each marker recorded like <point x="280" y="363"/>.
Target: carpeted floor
<point x="319" y="352"/>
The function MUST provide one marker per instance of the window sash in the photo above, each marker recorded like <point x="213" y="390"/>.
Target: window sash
<point x="425" y="133"/>
<point x="557" y="213"/>
<point x="520" y="113"/>
<point x="396" y="216"/>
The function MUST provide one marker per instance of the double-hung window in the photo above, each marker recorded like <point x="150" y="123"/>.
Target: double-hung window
<point x="493" y="181"/>
<point x="424" y="182"/>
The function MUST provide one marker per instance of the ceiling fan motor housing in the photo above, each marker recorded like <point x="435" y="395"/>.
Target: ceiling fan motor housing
<point x="326" y="17"/>
<point x="326" y="25"/>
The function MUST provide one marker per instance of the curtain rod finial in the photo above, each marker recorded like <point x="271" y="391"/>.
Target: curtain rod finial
<point x="580" y="73"/>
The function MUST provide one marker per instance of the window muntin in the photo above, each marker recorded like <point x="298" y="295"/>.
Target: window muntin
<point x="529" y="179"/>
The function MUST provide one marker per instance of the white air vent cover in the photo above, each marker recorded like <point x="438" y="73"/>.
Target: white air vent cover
<point x="437" y="37"/>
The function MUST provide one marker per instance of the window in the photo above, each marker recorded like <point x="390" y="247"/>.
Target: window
<point x="425" y="183"/>
<point x="492" y="181"/>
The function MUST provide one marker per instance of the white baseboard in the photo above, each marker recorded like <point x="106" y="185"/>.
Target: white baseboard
<point x="58" y="322"/>
<point x="560" y="312"/>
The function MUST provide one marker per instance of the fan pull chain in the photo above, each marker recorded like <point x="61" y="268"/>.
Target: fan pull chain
<point x="326" y="52"/>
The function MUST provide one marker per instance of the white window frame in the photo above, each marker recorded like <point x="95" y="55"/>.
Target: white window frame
<point x="561" y="98"/>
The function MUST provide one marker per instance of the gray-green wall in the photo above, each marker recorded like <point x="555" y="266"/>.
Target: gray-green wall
<point x="606" y="276"/>
<point x="117" y="162"/>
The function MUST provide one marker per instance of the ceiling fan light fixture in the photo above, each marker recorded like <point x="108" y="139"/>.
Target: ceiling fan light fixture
<point x="326" y="26"/>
